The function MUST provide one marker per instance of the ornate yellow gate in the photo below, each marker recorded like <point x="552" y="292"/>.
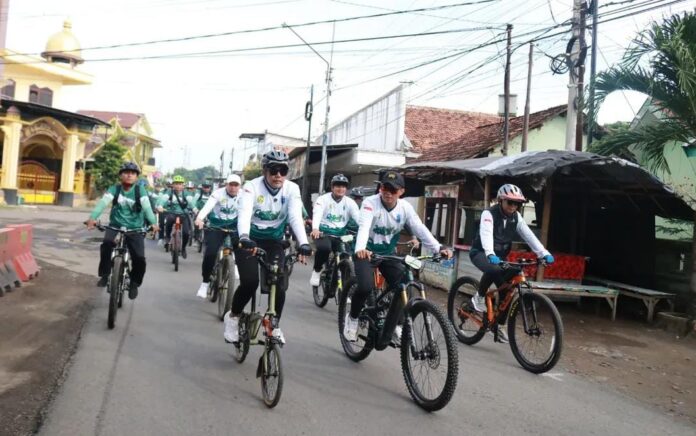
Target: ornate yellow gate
<point x="36" y="183"/>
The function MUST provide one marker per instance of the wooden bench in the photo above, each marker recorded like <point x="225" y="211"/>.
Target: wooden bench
<point x="650" y="297"/>
<point x="579" y="290"/>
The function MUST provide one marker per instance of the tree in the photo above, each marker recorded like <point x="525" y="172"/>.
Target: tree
<point x="660" y="63"/>
<point x="107" y="162"/>
<point x="198" y="175"/>
<point x="252" y="170"/>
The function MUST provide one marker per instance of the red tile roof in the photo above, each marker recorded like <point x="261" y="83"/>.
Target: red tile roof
<point x="483" y="138"/>
<point x="125" y="119"/>
<point x="428" y="128"/>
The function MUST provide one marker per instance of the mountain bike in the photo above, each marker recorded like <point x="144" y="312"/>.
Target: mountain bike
<point x="269" y="369"/>
<point x="535" y="329"/>
<point x="175" y="241"/>
<point x="429" y="359"/>
<point x="119" y="277"/>
<point x="339" y="266"/>
<point x="222" y="279"/>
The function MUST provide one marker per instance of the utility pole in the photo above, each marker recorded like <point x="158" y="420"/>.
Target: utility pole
<point x="573" y="57"/>
<point x="309" y="111"/>
<point x="506" y="125"/>
<point x="4" y="11"/>
<point x="581" y="78"/>
<point x="525" y="132"/>
<point x="593" y="75"/>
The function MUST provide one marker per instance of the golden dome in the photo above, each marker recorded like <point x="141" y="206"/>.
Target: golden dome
<point x="63" y="47"/>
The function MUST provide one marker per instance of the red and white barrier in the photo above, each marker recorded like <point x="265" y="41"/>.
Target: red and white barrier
<point x="8" y="275"/>
<point x="20" y="251"/>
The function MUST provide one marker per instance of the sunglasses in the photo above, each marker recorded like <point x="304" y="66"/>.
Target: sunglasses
<point x="282" y="170"/>
<point x="518" y="204"/>
<point x="390" y="189"/>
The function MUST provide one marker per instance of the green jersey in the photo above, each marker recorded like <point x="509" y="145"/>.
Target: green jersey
<point x="176" y="203"/>
<point x="124" y="213"/>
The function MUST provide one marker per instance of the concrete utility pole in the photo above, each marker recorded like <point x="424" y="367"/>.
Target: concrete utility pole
<point x="309" y="111"/>
<point x="574" y="55"/>
<point x="506" y="125"/>
<point x="4" y="11"/>
<point x="593" y="74"/>
<point x="525" y="132"/>
<point x="581" y="79"/>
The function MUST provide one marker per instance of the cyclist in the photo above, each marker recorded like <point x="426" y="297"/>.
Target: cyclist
<point x="175" y="203"/>
<point x="201" y="197"/>
<point x="221" y="211"/>
<point x="130" y="207"/>
<point x="331" y="215"/>
<point x="499" y="226"/>
<point x="266" y="204"/>
<point x="382" y="217"/>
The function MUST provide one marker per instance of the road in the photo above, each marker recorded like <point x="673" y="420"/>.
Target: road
<point x="165" y="369"/>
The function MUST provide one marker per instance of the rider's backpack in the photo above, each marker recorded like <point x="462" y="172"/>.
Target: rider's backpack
<point x="138" y="207"/>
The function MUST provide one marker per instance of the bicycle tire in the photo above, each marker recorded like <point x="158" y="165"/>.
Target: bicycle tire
<point x="242" y="347"/>
<point x="348" y="347"/>
<point x="450" y="381"/>
<point x="468" y="337"/>
<point x="114" y="290"/>
<point x="532" y="299"/>
<point x="321" y="297"/>
<point x="272" y="367"/>
<point x="214" y="293"/>
<point x="225" y="290"/>
<point x="199" y="242"/>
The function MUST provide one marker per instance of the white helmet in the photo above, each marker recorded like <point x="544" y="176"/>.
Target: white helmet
<point x="233" y="178"/>
<point x="510" y="192"/>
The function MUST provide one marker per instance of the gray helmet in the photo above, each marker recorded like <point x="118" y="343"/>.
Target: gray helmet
<point x="190" y="184"/>
<point x="339" y="179"/>
<point x="275" y="157"/>
<point x="129" y="166"/>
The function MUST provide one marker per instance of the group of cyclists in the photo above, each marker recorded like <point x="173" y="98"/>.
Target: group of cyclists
<point x="262" y="208"/>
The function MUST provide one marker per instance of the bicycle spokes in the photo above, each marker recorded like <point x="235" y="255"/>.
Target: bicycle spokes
<point x="428" y="369"/>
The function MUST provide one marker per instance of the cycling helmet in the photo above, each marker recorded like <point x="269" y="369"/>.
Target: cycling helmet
<point x="206" y="185"/>
<point x="339" y="179"/>
<point x="190" y="184"/>
<point x="510" y="192"/>
<point x="178" y="179"/>
<point x="275" y="157"/>
<point x="129" y="166"/>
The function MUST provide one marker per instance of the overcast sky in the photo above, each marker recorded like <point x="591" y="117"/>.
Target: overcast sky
<point x="206" y="101"/>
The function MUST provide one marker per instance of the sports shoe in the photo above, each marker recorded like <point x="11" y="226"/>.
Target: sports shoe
<point x="396" y="336"/>
<point x="479" y="303"/>
<point x="160" y="243"/>
<point x="278" y="334"/>
<point x="133" y="291"/>
<point x="231" y="333"/>
<point x="183" y="252"/>
<point x="315" y="279"/>
<point x="502" y="336"/>
<point x="203" y="290"/>
<point x="103" y="280"/>
<point x="350" y="328"/>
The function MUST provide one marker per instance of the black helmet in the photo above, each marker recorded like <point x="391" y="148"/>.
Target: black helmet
<point x="339" y="179"/>
<point x="275" y="157"/>
<point x="206" y="184"/>
<point x="129" y="166"/>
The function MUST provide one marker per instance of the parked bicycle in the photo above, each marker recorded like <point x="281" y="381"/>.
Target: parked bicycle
<point x="336" y="271"/>
<point x="269" y="369"/>
<point x="222" y="279"/>
<point x="429" y="359"/>
<point x="535" y="329"/>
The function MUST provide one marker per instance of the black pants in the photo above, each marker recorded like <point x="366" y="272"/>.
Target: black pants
<point x="185" y="227"/>
<point x="136" y="246"/>
<point x="213" y="241"/>
<point x="248" y="267"/>
<point x="392" y="271"/>
<point x="324" y="247"/>
<point x="491" y="273"/>
<point x="160" y="219"/>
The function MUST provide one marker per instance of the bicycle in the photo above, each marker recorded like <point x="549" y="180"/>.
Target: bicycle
<point x="539" y="317"/>
<point x="269" y="369"/>
<point x="425" y="326"/>
<point x="175" y="244"/>
<point x="199" y="237"/>
<point x="119" y="277"/>
<point x="338" y="266"/>
<point x="222" y="279"/>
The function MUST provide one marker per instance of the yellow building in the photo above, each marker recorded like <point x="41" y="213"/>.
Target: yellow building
<point x="43" y="147"/>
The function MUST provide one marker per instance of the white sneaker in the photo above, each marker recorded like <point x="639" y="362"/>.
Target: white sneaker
<point x="396" y="336"/>
<point x="231" y="328"/>
<point x="502" y="336"/>
<point x="278" y="334"/>
<point x="315" y="279"/>
<point x="160" y="243"/>
<point x="479" y="303"/>
<point x="203" y="290"/>
<point x="350" y="328"/>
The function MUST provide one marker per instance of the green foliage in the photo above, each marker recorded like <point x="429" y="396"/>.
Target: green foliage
<point x="252" y="170"/>
<point x="660" y="63"/>
<point x="107" y="161"/>
<point x="198" y="175"/>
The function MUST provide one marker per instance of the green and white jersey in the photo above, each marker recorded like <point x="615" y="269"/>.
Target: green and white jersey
<point x="173" y="202"/>
<point x="220" y="209"/>
<point x="331" y="217"/>
<point x="201" y="198"/>
<point x="124" y="213"/>
<point x="263" y="215"/>
<point x="380" y="228"/>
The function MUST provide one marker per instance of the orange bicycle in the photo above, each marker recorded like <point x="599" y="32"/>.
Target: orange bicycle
<point x="535" y="329"/>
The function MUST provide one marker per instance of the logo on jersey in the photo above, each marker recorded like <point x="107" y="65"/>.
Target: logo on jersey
<point x="266" y="215"/>
<point x="260" y="199"/>
<point x="385" y="231"/>
<point x="398" y="218"/>
<point x="334" y="218"/>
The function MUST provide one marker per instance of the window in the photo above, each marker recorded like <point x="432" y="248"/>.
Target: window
<point x="43" y="96"/>
<point x="8" y="91"/>
<point x="34" y="94"/>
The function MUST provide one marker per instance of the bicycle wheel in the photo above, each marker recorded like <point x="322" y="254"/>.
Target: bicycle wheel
<point x="175" y="248"/>
<point x="242" y="348"/>
<point x="271" y="375"/>
<point x="214" y="291"/>
<point x="226" y="288"/>
<point x="535" y="331"/>
<point x="320" y="293"/>
<point x="114" y="290"/>
<point x="467" y="322"/>
<point x="199" y="242"/>
<point x="360" y="349"/>
<point x="429" y="358"/>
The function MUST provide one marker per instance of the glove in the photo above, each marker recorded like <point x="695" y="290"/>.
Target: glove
<point x="493" y="259"/>
<point x="304" y="250"/>
<point x="549" y="259"/>
<point x="246" y="243"/>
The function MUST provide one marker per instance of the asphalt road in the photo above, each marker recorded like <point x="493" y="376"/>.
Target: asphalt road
<point x="165" y="369"/>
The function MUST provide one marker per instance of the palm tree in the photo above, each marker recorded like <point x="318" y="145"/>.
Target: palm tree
<point x="660" y="63"/>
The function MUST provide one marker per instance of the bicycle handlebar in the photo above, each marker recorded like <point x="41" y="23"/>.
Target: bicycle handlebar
<point x="219" y="229"/>
<point x="522" y="263"/>
<point x="436" y="257"/>
<point x="103" y="228"/>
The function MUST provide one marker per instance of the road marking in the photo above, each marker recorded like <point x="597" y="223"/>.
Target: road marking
<point x="558" y="376"/>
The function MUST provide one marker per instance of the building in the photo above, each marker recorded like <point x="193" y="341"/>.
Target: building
<point x="254" y="145"/>
<point x="43" y="147"/>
